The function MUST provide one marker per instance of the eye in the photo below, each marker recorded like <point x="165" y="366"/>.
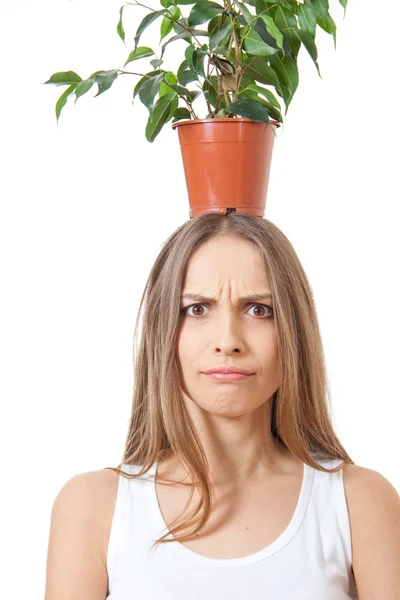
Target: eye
<point x="268" y="316"/>
<point x="264" y="306"/>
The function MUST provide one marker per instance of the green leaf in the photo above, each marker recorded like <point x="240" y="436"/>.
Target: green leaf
<point x="189" y="54"/>
<point x="149" y="90"/>
<point x="220" y="35"/>
<point x="148" y="20"/>
<point x="83" y="87"/>
<point x="249" y="108"/>
<point x="260" y="28"/>
<point x="61" y="102"/>
<point x="163" y="110"/>
<point x="184" y="2"/>
<point x="320" y="7"/>
<point x="179" y="89"/>
<point x="309" y="43"/>
<point x="93" y="75"/>
<point x="143" y="80"/>
<point x="181" y="26"/>
<point x="187" y="76"/>
<point x="167" y="23"/>
<point x="330" y="27"/>
<point x="120" y="27"/>
<point x="185" y="35"/>
<point x="167" y="3"/>
<point x="157" y="62"/>
<point x="285" y="20"/>
<point x="204" y="11"/>
<point x="105" y="79"/>
<point x="214" y="24"/>
<point x="64" y="78"/>
<point x="258" y="70"/>
<point x="182" y="67"/>
<point x="324" y="19"/>
<point x="274" y="112"/>
<point x="273" y="29"/>
<point x="227" y="52"/>
<point x="283" y="3"/>
<point x="174" y="106"/>
<point x="181" y="113"/>
<point x="307" y="19"/>
<point x="288" y="76"/>
<point x="140" y="52"/>
<point x="194" y="94"/>
<point x="198" y="57"/>
<point x="253" y="44"/>
<point x="248" y="16"/>
<point x="262" y="7"/>
<point x="344" y="4"/>
<point x="264" y="92"/>
<point x="169" y="77"/>
<point x="245" y="80"/>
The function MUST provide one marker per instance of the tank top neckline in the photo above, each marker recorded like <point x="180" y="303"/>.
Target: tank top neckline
<point x="282" y="540"/>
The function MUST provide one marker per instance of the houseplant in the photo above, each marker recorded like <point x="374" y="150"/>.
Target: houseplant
<point x="246" y="48"/>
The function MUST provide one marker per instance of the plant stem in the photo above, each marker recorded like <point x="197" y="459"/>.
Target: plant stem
<point x="238" y="73"/>
<point x="207" y="86"/>
<point x="130" y="73"/>
<point x="219" y="95"/>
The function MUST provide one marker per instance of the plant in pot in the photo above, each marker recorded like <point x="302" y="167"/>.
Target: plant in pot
<point x="237" y="54"/>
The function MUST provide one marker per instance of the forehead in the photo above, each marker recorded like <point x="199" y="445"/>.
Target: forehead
<point x="226" y="262"/>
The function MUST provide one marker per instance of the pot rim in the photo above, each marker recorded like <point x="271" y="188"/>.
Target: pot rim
<point x="222" y="119"/>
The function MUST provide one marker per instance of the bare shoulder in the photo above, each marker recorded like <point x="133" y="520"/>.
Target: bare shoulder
<point x="374" y="514"/>
<point x="80" y="525"/>
<point x="103" y="488"/>
<point x="97" y="490"/>
<point x="358" y="478"/>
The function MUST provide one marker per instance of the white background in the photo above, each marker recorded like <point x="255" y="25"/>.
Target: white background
<point x="85" y="207"/>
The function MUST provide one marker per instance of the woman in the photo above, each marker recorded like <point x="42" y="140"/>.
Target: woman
<point x="228" y="485"/>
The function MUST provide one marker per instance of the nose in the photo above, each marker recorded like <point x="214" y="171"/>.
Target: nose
<point x="228" y="333"/>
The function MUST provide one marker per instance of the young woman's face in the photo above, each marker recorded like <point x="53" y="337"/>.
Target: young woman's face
<point x="227" y="330"/>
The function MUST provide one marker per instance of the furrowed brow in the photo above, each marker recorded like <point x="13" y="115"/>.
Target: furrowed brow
<point x="252" y="298"/>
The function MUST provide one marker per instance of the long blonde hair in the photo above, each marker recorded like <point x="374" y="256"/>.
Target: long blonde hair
<point x="300" y="420"/>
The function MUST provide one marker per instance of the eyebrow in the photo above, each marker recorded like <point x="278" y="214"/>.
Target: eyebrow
<point x="252" y="298"/>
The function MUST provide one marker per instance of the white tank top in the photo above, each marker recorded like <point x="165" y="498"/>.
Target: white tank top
<point x="310" y="560"/>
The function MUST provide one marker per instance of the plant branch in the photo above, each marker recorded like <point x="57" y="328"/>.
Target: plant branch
<point x="227" y="99"/>
<point x="219" y="95"/>
<point x="130" y="73"/>
<point x="207" y="85"/>
<point x="238" y="68"/>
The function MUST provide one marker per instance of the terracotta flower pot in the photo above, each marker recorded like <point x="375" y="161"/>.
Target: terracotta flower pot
<point x="226" y="163"/>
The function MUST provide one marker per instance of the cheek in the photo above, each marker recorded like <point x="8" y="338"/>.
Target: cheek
<point x="276" y="366"/>
<point x="269" y="359"/>
<point x="187" y="344"/>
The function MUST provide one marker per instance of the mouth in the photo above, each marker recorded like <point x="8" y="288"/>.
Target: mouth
<point x="227" y="370"/>
<point x="228" y="376"/>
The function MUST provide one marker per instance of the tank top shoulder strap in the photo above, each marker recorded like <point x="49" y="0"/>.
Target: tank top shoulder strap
<point x="330" y="497"/>
<point x="122" y="512"/>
